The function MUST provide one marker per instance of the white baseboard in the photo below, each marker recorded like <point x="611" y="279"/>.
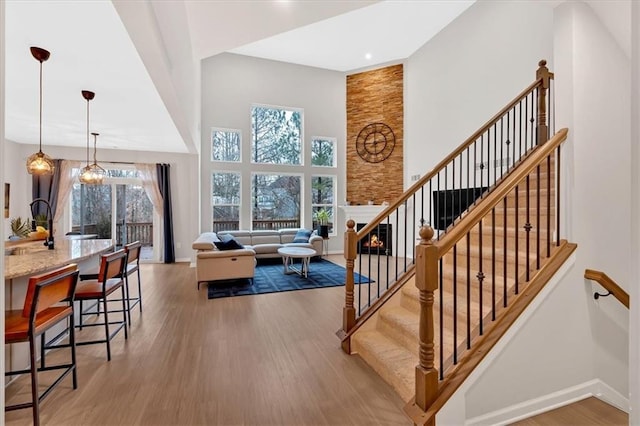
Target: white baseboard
<point x="526" y="409"/>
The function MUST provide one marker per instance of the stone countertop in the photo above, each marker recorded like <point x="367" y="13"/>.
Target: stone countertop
<point x="34" y="257"/>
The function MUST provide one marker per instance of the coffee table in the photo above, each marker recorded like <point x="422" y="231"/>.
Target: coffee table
<point x="290" y="253"/>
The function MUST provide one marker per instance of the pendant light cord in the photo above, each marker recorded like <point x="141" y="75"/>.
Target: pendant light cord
<point x="40" y="107"/>
<point x="87" y="132"/>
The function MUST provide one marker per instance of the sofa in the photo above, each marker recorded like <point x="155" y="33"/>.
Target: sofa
<point x="218" y="258"/>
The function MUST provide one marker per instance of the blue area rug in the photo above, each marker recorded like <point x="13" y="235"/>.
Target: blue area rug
<point x="270" y="278"/>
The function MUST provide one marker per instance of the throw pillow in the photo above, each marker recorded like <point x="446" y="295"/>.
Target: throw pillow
<point x="227" y="242"/>
<point x="302" y="236"/>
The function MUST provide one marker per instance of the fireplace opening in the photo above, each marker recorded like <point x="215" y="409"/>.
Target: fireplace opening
<point x="378" y="241"/>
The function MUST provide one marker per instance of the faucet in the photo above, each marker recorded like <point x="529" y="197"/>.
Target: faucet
<point x="49" y="241"/>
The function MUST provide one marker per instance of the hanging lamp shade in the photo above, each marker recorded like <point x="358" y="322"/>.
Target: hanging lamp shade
<point x="40" y="163"/>
<point x="87" y="174"/>
<point x="93" y="174"/>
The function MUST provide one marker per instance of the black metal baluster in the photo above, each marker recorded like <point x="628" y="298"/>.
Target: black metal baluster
<point x="534" y="127"/>
<point x="481" y="165"/>
<point x="480" y="274"/>
<point x="493" y="264"/>
<point x="538" y="217"/>
<point x="502" y="147"/>
<point x="557" y="179"/>
<point x="548" y="205"/>
<point x="446" y="198"/>
<point x="527" y="227"/>
<point x="468" y="289"/>
<point x="505" y="228"/>
<point x="517" y="231"/>
<point x="520" y="125"/>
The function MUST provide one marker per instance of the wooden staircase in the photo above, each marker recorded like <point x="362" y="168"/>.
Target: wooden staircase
<point x="391" y="347"/>
<point x="433" y="312"/>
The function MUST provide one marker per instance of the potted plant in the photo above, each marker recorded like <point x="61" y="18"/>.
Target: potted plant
<point x="322" y="219"/>
<point x="19" y="228"/>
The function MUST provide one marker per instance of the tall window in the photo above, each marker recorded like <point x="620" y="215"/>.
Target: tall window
<point x="323" y="152"/>
<point x="225" y="201"/>
<point x="225" y="145"/>
<point x="323" y="198"/>
<point x="276" y="135"/>
<point x="275" y="201"/>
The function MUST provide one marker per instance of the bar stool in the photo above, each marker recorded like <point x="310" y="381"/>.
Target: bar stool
<point x="49" y="301"/>
<point x="109" y="280"/>
<point x="133" y="265"/>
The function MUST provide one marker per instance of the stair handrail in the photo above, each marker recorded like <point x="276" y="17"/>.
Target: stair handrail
<point x="429" y="253"/>
<point x="516" y="177"/>
<point x="609" y="284"/>
<point x="543" y="77"/>
<point x="352" y="237"/>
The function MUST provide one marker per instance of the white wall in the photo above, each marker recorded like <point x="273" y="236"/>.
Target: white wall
<point x="463" y="76"/>
<point x="634" y="314"/>
<point x="232" y="83"/>
<point x="598" y="162"/>
<point x="184" y="189"/>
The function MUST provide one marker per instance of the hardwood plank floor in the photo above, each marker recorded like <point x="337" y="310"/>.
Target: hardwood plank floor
<point x="587" y="412"/>
<point x="270" y="359"/>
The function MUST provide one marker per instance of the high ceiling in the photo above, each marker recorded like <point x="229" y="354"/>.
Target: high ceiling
<point x="142" y="58"/>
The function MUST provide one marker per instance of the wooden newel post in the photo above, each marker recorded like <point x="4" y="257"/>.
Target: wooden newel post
<point x="543" y="74"/>
<point x="427" y="283"/>
<point x="350" y="253"/>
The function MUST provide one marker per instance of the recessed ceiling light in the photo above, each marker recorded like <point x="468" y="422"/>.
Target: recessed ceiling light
<point x="368" y="56"/>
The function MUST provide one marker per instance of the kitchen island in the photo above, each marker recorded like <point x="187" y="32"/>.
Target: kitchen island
<point x="25" y="259"/>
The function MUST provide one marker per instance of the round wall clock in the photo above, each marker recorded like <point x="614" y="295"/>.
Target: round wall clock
<point x="375" y="142"/>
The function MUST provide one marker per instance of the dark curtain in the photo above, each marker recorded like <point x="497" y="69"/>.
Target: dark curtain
<point x="46" y="187"/>
<point x="164" y="170"/>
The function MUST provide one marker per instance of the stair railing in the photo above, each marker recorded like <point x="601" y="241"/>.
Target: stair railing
<point x="440" y="199"/>
<point x="502" y="268"/>
<point x="613" y="289"/>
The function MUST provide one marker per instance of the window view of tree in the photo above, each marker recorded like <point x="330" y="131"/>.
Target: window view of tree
<point x="225" y="201"/>
<point x="119" y="209"/>
<point x="323" y="152"/>
<point x="91" y="209"/>
<point x="275" y="201"/>
<point x="322" y="197"/>
<point x="276" y="135"/>
<point x="225" y="145"/>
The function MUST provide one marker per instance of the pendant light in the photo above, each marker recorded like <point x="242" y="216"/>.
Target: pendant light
<point x="86" y="176"/>
<point x="95" y="174"/>
<point x="40" y="163"/>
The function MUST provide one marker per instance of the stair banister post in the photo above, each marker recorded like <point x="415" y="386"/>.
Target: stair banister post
<point x="545" y="76"/>
<point x="350" y="249"/>
<point x="427" y="284"/>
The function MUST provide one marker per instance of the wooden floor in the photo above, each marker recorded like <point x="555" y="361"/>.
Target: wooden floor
<point x="269" y="359"/>
<point x="588" y="412"/>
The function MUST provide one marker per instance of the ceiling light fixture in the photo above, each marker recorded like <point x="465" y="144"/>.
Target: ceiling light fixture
<point x="95" y="174"/>
<point x="368" y="56"/>
<point x="40" y="163"/>
<point x="91" y="174"/>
